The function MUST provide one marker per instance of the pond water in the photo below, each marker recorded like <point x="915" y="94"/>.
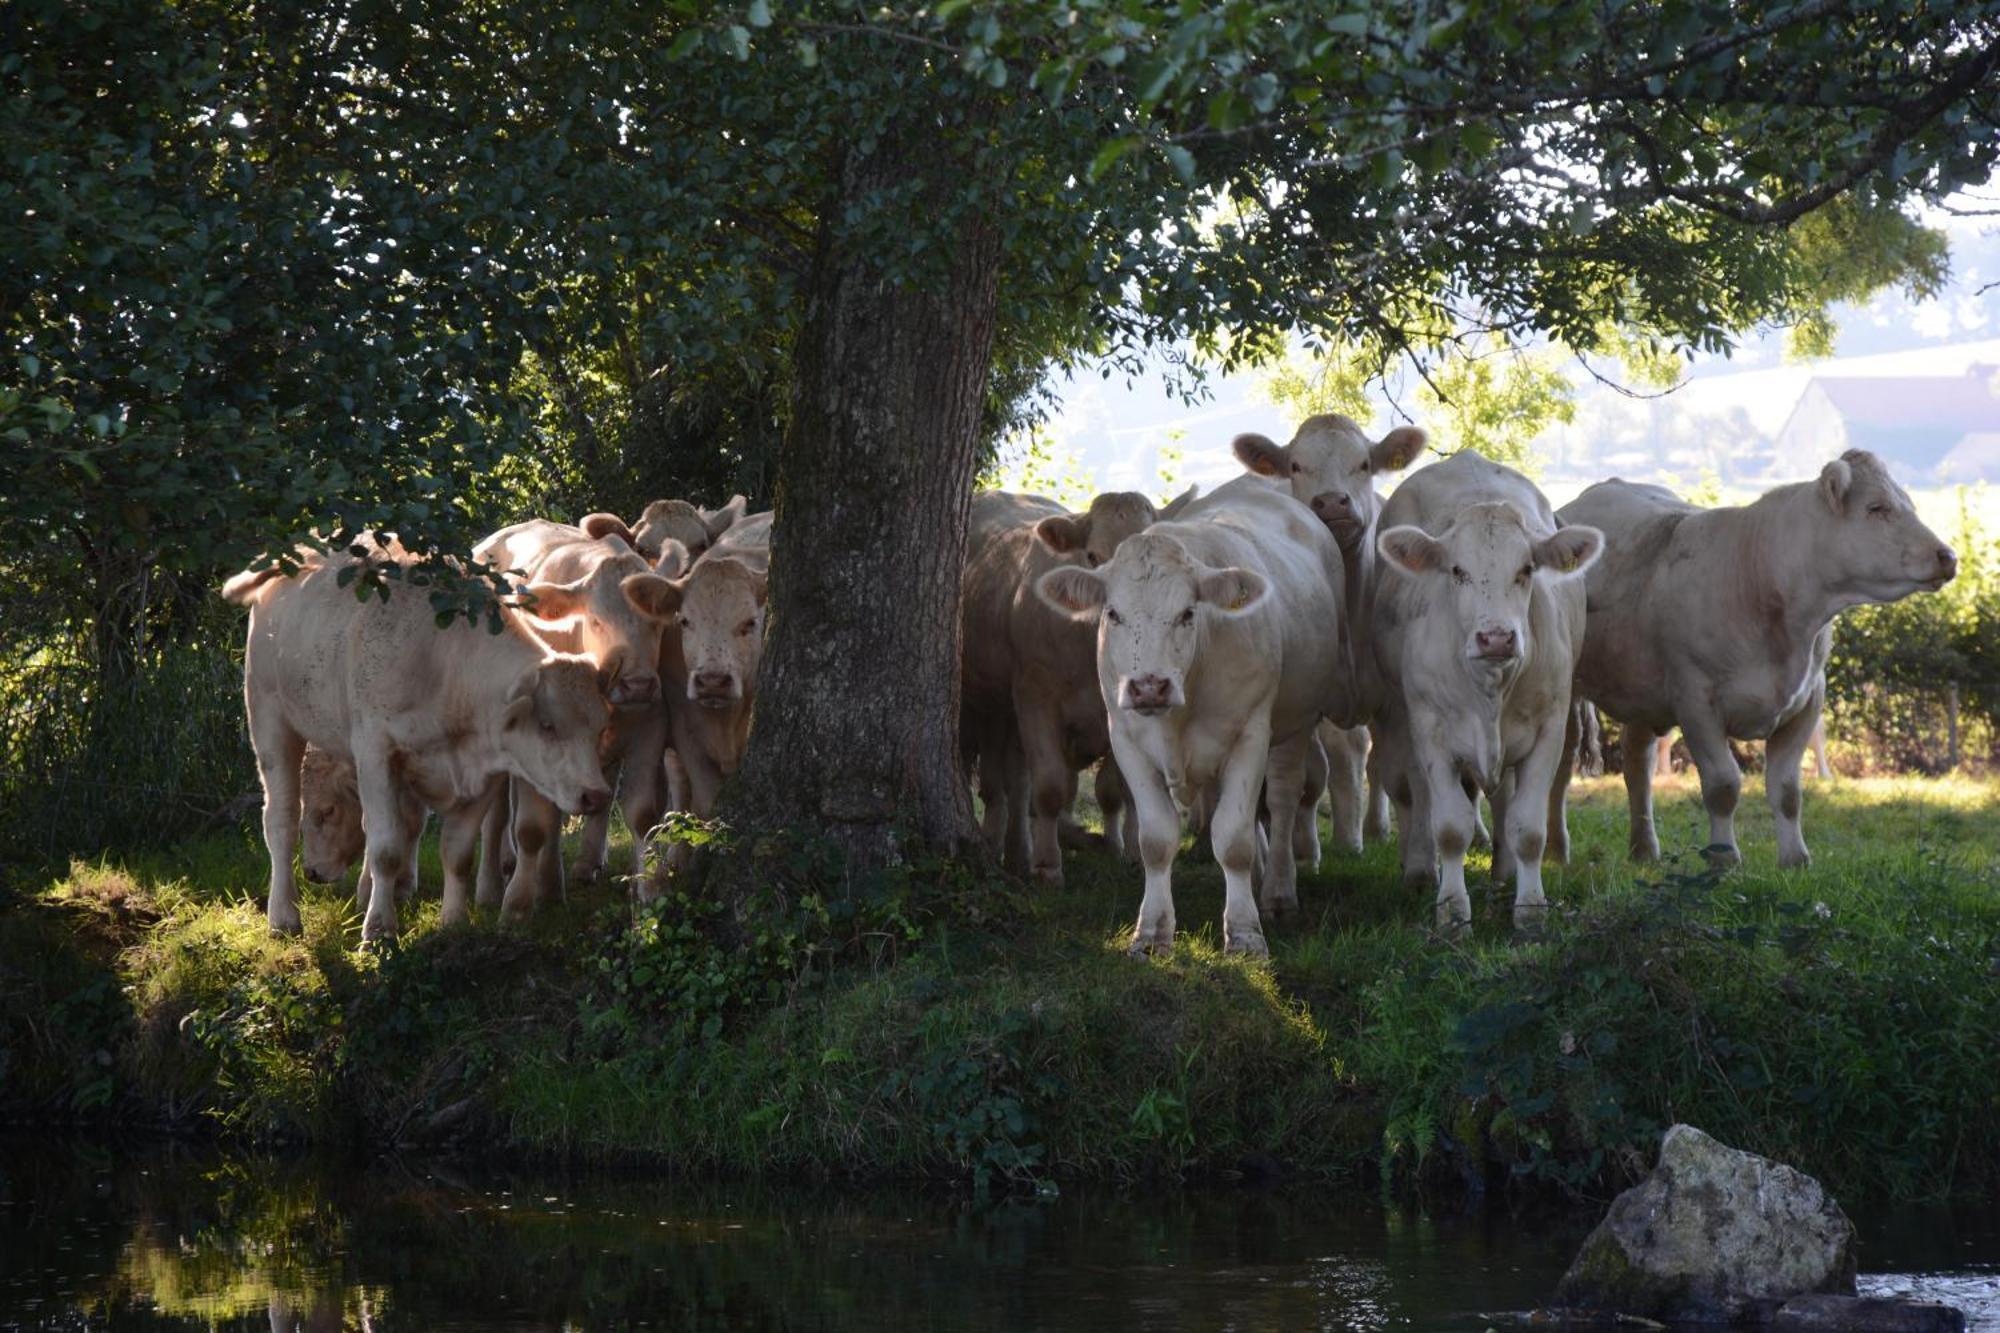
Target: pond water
<point x="155" y="1238"/>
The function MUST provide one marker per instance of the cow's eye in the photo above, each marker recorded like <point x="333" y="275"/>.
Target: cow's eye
<point x="548" y="728"/>
<point x="1364" y="469"/>
<point x="1296" y="469"/>
<point x="748" y="627"/>
<point x="1458" y="572"/>
<point x="1185" y="618"/>
<point x="682" y="621"/>
<point x="1878" y="509"/>
<point x="1527" y="572"/>
<point x="1113" y="616"/>
<point x="1090" y="558"/>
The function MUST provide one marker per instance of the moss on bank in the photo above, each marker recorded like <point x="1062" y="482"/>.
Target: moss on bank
<point x="1846" y="1019"/>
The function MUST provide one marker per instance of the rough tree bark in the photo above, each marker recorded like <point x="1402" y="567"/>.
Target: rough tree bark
<point x="856" y="736"/>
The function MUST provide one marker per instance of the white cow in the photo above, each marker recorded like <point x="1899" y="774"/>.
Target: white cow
<point x="444" y="715"/>
<point x="1332" y="468"/>
<point x="1479" y="619"/>
<point x="1218" y="650"/>
<point x="711" y="650"/>
<point x="598" y="597"/>
<point x="1030" y="710"/>
<point x="1719" y="621"/>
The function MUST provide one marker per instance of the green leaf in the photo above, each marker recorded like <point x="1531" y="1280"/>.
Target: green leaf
<point x="1110" y="153"/>
<point x="759" y="14"/>
<point x="1182" y="161"/>
<point x="738" y="37"/>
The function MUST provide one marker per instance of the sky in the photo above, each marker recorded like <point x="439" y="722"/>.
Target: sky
<point x="1116" y="431"/>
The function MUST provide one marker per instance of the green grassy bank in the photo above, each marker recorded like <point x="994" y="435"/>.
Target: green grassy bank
<point x="1846" y="1019"/>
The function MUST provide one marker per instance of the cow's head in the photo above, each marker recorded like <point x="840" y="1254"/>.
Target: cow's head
<point x="1481" y="571"/>
<point x="1093" y="536"/>
<point x="718" y="608"/>
<point x="677" y="520"/>
<point x="1876" y="547"/>
<point x="330" y="837"/>
<point x="549" y="732"/>
<point x="1331" y="467"/>
<point x="612" y="608"/>
<point x="1149" y="601"/>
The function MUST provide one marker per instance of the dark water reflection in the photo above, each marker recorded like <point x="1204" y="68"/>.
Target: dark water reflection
<point x="159" y="1239"/>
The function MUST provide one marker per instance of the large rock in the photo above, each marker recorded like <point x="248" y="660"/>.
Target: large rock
<point x="1712" y="1236"/>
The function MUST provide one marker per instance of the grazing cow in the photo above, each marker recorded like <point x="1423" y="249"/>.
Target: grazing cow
<point x="443" y="716"/>
<point x="711" y="649"/>
<point x="1719" y="621"/>
<point x="598" y="597"/>
<point x="1218" y="650"/>
<point x="1331" y="467"/>
<point x="1029" y="703"/>
<point x="665" y="521"/>
<point x="330" y="836"/>
<point x="1479" y="619"/>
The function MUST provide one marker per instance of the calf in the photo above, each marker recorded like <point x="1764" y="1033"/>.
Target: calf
<point x="665" y="521"/>
<point x="1479" y="619"/>
<point x="711" y="649"/>
<point x="443" y="716"/>
<point x="598" y="597"/>
<point x="1719" y="621"/>
<point x="1218" y="640"/>
<point x="330" y="836"/>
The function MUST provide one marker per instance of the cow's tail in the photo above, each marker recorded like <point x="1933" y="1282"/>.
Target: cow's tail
<point x="242" y="589"/>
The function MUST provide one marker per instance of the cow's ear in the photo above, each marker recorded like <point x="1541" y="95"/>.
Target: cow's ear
<point x="674" y="560"/>
<point x="758" y="579"/>
<point x="719" y="521"/>
<point x="1232" y="591"/>
<point x="1072" y="591"/>
<point x="599" y="526"/>
<point x="1173" y="507"/>
<point x="1398" y="449"/>
<point x="553" y="601"/>
<point x="1836" y="479"/>
<point x="1570" y="552"/>
<point x="1261" y="455"/>
<point x="651" y="595"/>
<point x="1411" y="550"/>
<point x="521" y="699"/>
<point x="1065" y="534"/>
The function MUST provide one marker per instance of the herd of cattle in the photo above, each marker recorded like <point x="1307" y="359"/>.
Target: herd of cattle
<point x="1224" y="661"/>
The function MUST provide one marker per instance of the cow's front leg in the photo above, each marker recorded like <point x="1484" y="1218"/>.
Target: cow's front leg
<point x="1784" y="755"/>
<point x="458" y="847"/>
<point x="1233" y="834"/>
<point x="389" y="848"/>
<point x="279" y="751"/>
<point x="495" y="846"/>
<point x="1284" y="785"/>
<point x="1452" y="811"/>
<point x="1635" y="744"/>
<point x="537" y="833"/>
<point x="1347" y="789"/>
<point x="1305" y="827"/>
<point x="1159" y="824"/>
<point x="1121" y="821"/>
<point x="1721" y="783"/>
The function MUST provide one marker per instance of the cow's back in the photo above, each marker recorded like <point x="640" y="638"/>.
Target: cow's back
<point x="1646" y="587"/>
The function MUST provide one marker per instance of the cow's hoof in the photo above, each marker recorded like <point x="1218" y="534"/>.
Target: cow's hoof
<point x="587" y="874"/>
<point x="1721" y="856"/>
<point x="1798" y="860"/>
<point x="1646" y="853"/>
<point x="453" y="915"/>
<point x="1280" y="905"/>
<point x="1453" y="923"/>
<point x="378" y="932"/>
<point x="1247" y="945"/>
<point x="1049" y="877"/>
<point x="1530" y="920"/>
<point x="1158" y="946"/>
<point x="285" y="920"/>
<point x="1418" y="878"/>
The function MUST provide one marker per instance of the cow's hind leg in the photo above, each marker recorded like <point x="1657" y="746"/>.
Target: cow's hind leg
<point x="1284" y="785"/>
<point x="458" y="848"/>
<point x="1305" y="828"/>
<point x="537" y="829"/>
<point x="1557" y="848"/>
<point x="390" y="850"/>
<point x="1121" y="817"/>
<point x="1783" y="757"/>
<point x="280" y="751"/>
<point x="1635" y="744"/>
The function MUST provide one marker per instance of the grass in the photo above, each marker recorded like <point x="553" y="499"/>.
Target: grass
<point x="1845" y="1019"/>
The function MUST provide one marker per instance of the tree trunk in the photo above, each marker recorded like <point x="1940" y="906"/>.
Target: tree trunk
<point x="856" y="734"/>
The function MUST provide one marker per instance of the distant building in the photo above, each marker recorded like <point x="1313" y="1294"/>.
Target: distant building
<point x="1931" y="429"/>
